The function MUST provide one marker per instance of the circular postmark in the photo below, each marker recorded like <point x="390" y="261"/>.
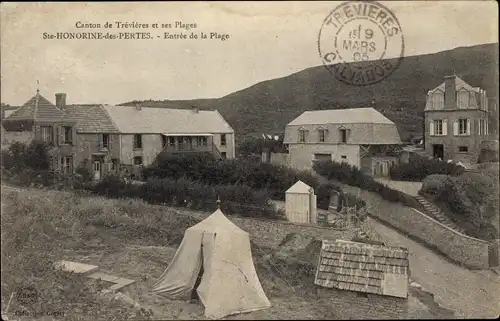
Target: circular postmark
<point x="361" y="42"/>
<point x="26" y="295"/>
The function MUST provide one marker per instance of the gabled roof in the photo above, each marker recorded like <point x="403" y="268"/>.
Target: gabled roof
<point x="217" y="221"/>
<point x="149" y="120"/>
<point x="363" y="267"/>
<point x="299" y="188"/>
<point x="38" y="108"/>
<point x="91" y="119"/>
<point x="341" y="116"/>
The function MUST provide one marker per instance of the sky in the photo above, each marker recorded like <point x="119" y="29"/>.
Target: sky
<point x="267" y="40"/>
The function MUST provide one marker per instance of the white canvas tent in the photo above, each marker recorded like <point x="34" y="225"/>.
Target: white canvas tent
<point x="229" y="283"/>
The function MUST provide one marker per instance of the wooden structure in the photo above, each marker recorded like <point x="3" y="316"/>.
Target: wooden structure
<point x="300" y="204"/>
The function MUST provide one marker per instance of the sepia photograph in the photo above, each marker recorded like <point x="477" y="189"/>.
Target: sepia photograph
<point x="249" y="160"/>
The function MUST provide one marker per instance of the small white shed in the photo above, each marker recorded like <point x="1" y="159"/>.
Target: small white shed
<point x="300" y="204"/>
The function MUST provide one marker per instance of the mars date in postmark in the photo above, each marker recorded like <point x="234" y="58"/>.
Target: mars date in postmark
<point x="361" y="42"/>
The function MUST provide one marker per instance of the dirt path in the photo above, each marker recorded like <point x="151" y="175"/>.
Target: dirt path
<point x="410" y="188"/>
<point x="471" y="294"/>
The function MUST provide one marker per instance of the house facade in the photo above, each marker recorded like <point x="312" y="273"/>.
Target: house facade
<point x="117" y="139"/>
<point x="456" y="121"/>
<point x="361" y="137"/>
<point x="39" y="119"/>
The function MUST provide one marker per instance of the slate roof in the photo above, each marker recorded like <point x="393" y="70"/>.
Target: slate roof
<point x="341" y="116"/>
<point x="459" y="84"/>
<point x="38" y="108"/>
<point x="149" y="120"/>
<point x="91" y="119"/>
<point x="363" y="267"/>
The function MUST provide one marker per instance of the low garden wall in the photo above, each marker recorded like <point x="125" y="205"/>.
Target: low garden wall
<point x="462" y="249"/>
<point x="269" y="233"/>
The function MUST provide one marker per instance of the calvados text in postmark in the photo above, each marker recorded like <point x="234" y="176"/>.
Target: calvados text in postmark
<point x="361" y="42"/>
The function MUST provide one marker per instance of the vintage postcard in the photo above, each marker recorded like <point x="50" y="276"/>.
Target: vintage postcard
<point x="249" y="160"/>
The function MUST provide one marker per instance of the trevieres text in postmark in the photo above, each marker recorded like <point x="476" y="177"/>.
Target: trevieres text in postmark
<point x="361" y="42"/>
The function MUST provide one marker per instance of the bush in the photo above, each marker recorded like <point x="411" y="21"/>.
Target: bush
<point x="434" y="184"/>
<point x="351" y="175"/>
<point x="471" y="200"/>
<point x="21" y="156"/>
<point x="204" y="168"/>
<point x="236" y="199"/>
<point x="419" y="168"/>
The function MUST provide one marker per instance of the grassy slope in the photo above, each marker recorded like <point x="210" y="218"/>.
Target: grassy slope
<point x="268" y="106"/>
<point x="133" y="239"/>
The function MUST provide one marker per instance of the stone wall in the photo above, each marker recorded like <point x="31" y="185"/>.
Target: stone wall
<point x="270" y="233"/>
<point x="462" y="249"/>
<point x="280" y="159"/>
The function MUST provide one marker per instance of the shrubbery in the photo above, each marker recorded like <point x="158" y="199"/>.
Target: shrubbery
<point x="20" y="156"/>
<point x="420" y="167"/>
<point x="471" y="200"/>
<point x="205" y="168"/>
<point x="351" y="175"/>
<point x="236" y="199"/>
<point x="276" y="180"/>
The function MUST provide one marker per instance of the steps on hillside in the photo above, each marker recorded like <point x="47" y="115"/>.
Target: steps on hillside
<point x="436" y="213"/>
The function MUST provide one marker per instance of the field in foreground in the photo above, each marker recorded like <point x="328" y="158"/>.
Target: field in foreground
<point x="135" y="240"/>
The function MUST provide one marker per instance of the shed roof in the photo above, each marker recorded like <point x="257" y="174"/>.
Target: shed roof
<point x="363" y="267"/>
<point x="38" y="108"/>
<point x="299" y="188"/>
<point x="341" y="116"/>
<point x="150" y="120"/>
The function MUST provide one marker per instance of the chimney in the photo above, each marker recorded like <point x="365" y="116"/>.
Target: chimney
<point x="138" y="107"/>
<point x="61" y="101"/>
<point x="450" y="93"/>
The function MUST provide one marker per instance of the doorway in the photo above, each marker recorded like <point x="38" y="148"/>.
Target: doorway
<point x="438" y="151"/>
<point x="96" y="169"/>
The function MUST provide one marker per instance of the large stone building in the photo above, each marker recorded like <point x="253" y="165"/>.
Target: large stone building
<point x="362" y="137"/>
<point x="111" y="139"/>
<point x="456" y="121"/>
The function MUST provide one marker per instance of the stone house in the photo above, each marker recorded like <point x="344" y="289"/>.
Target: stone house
<point x="457" y="120"/>
<point x="116" y="139"/>
<point x="362" y="137"/>
<point x="39" y="119"/>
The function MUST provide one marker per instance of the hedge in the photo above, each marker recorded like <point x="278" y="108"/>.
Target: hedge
<point x="351" y="175"/>
<point x="205" y="168"/>
<point x="419" y="168"/>
<point x="236" y="199"/>
<point x="276" y="180"/>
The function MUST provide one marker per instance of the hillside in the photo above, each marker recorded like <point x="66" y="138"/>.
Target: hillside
<point x="268" y="106"/>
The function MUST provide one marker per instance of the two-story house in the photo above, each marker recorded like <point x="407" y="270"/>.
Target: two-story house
<point x="39" y="119"/>
<point x="110" y="139"/>
<point x="456" y="121"/>
<point x="362" y="137"/>
<point x="145" y="132"/>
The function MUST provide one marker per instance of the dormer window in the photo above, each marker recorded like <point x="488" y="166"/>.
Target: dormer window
<point x="437" y="99"/>
<point x="302" y="135"/>
<point x="463" y="99"/>
<point x="321" y="134"/>
<point x="343" y="135"/>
